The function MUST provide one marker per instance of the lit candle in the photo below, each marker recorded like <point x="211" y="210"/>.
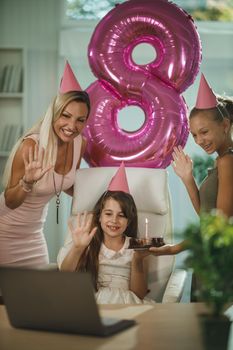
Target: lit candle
<point x="146" y="224"/>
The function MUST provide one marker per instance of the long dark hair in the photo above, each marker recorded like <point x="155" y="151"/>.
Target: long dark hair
<point x="90" y="258"/>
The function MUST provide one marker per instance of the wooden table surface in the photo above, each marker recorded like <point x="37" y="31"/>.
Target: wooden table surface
<point x="159" y="327"/>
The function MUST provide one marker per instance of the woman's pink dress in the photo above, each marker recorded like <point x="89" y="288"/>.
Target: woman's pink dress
<point x="22" y="241"/>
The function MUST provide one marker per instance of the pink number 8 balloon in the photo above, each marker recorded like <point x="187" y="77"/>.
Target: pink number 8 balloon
<point x="154" y="87"/>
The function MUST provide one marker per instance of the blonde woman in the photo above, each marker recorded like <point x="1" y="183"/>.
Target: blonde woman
<point x="42" y="164"/>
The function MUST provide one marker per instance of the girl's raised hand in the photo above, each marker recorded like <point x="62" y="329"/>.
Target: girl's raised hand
<point x="82" y="233"/>
<point x="33" y="162"/>
<point x="181" y="164"/>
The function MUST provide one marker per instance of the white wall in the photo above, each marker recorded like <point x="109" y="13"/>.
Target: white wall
<point x="35" y="25"/>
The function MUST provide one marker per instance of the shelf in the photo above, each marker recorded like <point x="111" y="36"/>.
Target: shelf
<point x="12" y="99"/>
<point x="4" y="154"/>
<point x="11" y="95"/>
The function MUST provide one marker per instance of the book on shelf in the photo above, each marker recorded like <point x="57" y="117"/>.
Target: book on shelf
<point x="4" y="137"/>
<point x="16" y="85"/>
<point x="11" y="87"/>
<point x="6" y="78"/>
<point x="11" y="78"/>
<point x="3" y="76"/>
<point x="10" y="134"/>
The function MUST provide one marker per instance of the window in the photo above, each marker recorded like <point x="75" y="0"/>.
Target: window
<point x="89" y="9"/>
<point x="202" y="10"/>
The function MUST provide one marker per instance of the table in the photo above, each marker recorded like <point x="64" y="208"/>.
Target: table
<point x="159" y="327"/>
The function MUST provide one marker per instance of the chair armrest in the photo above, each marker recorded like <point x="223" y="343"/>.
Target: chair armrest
<point x="175" y="286"/>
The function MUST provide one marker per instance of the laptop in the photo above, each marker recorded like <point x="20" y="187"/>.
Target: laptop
<point x="55" y="301"/>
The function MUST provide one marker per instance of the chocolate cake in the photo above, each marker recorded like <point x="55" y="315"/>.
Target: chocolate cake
<point x="139" y="243"/>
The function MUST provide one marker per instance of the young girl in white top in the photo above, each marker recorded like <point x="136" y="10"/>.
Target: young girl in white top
<point x="99" y="245"/>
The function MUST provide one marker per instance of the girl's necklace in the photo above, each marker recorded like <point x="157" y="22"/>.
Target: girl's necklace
<point x="58" y="192"/>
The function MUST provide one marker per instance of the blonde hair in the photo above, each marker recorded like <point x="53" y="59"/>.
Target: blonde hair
<point x="47" y="136"/>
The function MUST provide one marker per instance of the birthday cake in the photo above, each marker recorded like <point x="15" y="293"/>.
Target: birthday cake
<point x="144" y="243"/>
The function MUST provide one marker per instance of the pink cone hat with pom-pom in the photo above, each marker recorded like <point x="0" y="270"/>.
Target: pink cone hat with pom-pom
<point x="205" y="97"/>
<point x="69" y="81"/>
<point x="119" y="181"/>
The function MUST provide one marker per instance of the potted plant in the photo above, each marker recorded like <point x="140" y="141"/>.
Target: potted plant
<point x="210" y="256"/>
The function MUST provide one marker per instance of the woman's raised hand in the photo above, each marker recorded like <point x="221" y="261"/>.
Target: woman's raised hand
<point x="170" y="249"/>
<point x="82" y="233"/>
<point x="167" y="249"/>
<point x="182" y="164"/>
<point x="33" y="162"/>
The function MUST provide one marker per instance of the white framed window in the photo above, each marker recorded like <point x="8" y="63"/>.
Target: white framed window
<point x="202" y="10"/>
<point x="89" y="9"/>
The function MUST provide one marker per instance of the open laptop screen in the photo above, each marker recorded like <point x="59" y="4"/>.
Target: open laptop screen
<point x="54" y="301"/>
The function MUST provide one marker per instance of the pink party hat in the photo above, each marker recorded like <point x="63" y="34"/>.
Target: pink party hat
<point x="119" y="181"/>
<point x="68" y="81"/>
<point x="205" y="97"/>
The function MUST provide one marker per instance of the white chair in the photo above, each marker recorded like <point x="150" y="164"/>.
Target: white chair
<point x="149" y="188"/>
